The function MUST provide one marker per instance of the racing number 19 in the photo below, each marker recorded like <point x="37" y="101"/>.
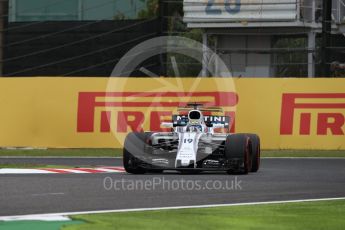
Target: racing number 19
<point x="228" y="7"/>
<point x="187" y="140"/>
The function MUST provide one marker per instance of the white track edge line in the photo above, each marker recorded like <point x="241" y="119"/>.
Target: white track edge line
<point x="45" y="216"/>
<point x="23" y="171"/>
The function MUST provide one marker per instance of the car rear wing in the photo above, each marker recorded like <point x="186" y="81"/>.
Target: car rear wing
<point x="182" y="120"/>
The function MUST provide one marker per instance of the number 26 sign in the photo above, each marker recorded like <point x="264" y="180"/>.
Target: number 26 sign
<point x="231" y="6"/>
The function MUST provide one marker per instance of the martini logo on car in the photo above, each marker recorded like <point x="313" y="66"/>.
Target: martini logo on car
<point x="183" y="119"/>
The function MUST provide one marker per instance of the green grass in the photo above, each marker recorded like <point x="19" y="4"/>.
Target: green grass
<point x="305" y="215"/>
<point x="118" y="153"/>
<point x="35" y="225"/>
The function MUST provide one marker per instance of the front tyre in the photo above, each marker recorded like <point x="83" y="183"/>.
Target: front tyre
<point x="237" y="150"/>
<point x="134" y="146"/>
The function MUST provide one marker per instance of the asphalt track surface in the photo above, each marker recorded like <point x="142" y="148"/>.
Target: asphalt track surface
<point x="278" y="179"/>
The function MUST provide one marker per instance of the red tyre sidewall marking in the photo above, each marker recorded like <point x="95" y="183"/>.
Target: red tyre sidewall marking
<point x="246" y="155"/>
<point x="258" y="154"/>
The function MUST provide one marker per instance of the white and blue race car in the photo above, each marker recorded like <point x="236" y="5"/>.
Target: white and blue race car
<point x="192" y="146"/>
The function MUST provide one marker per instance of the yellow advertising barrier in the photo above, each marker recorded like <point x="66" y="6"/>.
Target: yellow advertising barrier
<point x="98" y="112"/>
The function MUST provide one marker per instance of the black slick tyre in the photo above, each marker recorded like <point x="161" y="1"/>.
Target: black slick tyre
<point x="237" y="149"/>
<point x="134" y="146"/>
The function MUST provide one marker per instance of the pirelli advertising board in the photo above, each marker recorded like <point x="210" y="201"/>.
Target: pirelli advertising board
<point x="99" y="112"/>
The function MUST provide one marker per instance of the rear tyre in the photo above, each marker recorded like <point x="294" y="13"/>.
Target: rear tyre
<point x="256" y="151"/>
<point x="237" y="149"/>
<point x="134" y="146"/>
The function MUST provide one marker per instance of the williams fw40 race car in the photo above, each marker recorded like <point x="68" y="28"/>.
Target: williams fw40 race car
<point x="192" y="146"/>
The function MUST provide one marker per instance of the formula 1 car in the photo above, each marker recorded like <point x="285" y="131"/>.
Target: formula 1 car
<point x="192" y="146"/>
